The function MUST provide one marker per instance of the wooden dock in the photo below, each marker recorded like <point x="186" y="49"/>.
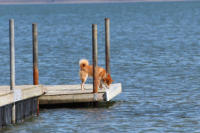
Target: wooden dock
<point x="19" y="103"/>
<point x="57" y="94"/>
<point x="22" y="102"/>
<point x="63" y="94"/>
<point x="21" y="92"/>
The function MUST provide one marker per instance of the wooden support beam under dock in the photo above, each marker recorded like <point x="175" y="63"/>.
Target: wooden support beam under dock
<point x="61" y="94"/>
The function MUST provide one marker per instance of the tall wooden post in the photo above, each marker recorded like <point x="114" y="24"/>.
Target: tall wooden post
<point x="107" y="44"/>
<point x="35" y="59"/>
<point x="12" y="53"/>
<point x="35" y="55"/>
<point x="12" y="63"/>
<point x="95" y="60"/>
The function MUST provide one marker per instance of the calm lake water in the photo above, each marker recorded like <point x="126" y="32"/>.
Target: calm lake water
<point x="155" y="54"/>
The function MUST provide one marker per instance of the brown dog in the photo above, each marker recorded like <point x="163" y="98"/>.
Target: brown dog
<point x="87" y="70"/>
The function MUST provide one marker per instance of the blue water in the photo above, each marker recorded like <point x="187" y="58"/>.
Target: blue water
<point x="155" y="54"/>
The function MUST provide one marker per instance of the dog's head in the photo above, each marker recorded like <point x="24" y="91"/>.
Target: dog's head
<point x="107" y="80"/>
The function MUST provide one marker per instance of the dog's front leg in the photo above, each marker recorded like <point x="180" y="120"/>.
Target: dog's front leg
<point x="101" y="85"/>
<point x="82" y="86"/>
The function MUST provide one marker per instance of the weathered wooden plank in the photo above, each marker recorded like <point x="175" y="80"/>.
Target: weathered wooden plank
<point x="71" y="98"/>
<point x="6" y="99"/>
<point x="5" y="115"/>
<point x="32" y="92"/>
<point x="25" y="108"/>
<point x="5" y="89"/>
<point x="19" y="93"/>
<point x="8" y="113"/>
<point x="56" y="94"/>
<point x="59" y="94"/>
<point x="69" y="89"/>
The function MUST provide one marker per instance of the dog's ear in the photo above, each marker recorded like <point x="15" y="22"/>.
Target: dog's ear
<point x="110" y="79"/>
<point x="108" y="75"/>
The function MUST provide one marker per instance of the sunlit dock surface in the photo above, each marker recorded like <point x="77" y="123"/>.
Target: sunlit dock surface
<point x="61" y="94"/>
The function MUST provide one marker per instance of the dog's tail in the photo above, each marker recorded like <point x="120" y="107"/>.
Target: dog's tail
<point x="83" y="63"/>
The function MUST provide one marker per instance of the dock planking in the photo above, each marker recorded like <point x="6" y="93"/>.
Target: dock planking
<point x="21" y="92"/>
<point x="19" y="103"/>
<point x="61" y="94"/>
<point x="57" y="94"/>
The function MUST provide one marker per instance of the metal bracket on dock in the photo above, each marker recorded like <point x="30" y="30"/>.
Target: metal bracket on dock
<point x="95" y="96"/>
<point x="17" y="95"/>
<point x="113" y="91"/>
<point x="107" y="96"/>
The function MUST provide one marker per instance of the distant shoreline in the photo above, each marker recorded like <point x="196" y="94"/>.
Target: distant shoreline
<point x="8" y="2"/>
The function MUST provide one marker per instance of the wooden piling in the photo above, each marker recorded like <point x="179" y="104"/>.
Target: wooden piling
<point x="12" y="54"/>
<point x="35" y="59"/>
<point x="12" y="63"/>
<point x="94" y="59"/>
<point x="107" y="44"/>
<point x="35" y="55"/>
